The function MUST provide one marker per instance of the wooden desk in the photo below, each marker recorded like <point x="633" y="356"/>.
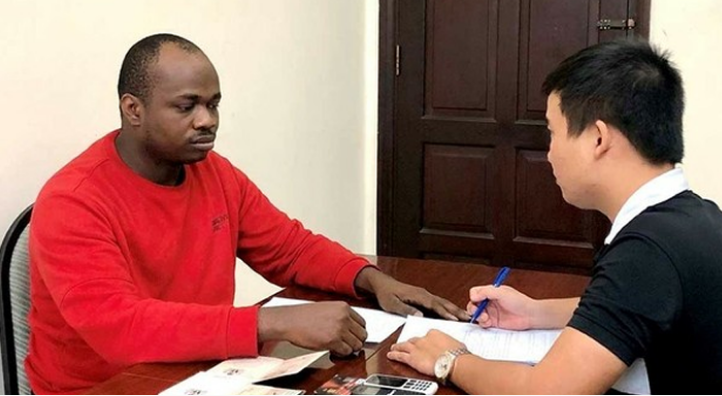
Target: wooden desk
<point x="450" y="280"/>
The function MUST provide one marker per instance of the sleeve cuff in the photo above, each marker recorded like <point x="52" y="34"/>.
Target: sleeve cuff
<point x="606" y="338"/>
<point x="346" y="277"/>
<point x="242" y="334"/>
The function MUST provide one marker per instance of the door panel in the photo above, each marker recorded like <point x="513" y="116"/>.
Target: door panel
<point x="547" y="38"/>
<point x="460" y="58"/>
<point x="447" y="193"/>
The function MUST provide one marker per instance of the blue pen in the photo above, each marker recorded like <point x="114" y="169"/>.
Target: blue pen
<point x="503" y="272"/>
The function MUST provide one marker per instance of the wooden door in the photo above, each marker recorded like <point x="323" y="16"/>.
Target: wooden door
<point x="463" y="173"/>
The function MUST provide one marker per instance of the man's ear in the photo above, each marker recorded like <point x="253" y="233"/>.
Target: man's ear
<point x="132" y="109"/>
<point x="603" y="136"/>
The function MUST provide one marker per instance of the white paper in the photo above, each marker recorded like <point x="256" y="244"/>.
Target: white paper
<point x="529" y="346"/>
<point x="207" y="384"/>
<point x="263" y="367"/>
<point x="493" y="344"/>
<point x="379" y="324"/>
<point x="635" y="379"/>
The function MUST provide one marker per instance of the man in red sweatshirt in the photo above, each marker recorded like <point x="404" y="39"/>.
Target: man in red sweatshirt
<point x="133" y="244"/>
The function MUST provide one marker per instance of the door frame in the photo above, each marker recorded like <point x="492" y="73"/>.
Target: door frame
<point x="387" y="109"/>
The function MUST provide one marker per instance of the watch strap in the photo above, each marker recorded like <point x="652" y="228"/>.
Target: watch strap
<point x="453" y="354"/>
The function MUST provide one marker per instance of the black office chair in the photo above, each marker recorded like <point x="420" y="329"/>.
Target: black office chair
<point x="15" y="304"/>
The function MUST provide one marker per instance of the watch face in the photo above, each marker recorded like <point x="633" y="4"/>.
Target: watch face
<point x="442" y="366"/>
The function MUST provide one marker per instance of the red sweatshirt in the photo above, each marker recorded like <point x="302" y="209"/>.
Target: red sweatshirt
<point x="125" y="271"/>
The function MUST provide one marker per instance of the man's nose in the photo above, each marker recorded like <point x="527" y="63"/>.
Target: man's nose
<point x="205" y="119"/>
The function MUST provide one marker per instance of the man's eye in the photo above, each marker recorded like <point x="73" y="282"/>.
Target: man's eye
<point x="213" y="106"/>
<point x="185" y="108"/>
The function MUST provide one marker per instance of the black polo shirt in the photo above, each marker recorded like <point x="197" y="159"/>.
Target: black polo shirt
<point x="656" y="293"/>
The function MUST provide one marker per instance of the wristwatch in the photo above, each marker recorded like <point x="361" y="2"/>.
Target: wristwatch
<point x="445" y="363"/>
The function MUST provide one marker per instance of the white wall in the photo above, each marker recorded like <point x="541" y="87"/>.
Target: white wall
<point x="692" y="31"/>
<point x="371" y="104"/>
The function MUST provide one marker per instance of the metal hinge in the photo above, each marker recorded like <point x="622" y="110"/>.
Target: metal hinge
<point x="398" y="60"/>
<point x="616" y="24"/>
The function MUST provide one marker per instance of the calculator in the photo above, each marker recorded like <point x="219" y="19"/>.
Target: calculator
<point x="400" y="385"/>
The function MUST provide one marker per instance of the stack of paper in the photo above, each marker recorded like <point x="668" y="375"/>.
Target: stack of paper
<point x="236" y="376"/>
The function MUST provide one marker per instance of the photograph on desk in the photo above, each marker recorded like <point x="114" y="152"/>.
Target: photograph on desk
<point x="339" y="385"/>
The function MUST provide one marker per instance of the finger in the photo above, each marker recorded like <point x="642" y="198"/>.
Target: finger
<point x="485" y="320"/>
<point x="470" y="308"/>
<point x="422" y="297"/>
<point x="358" y="331"/>
<point x="442" y="310"/>
<point x="433" y="303"/>
<point x="397" y="356"/>
<point x="479" y="293"/>
<point x="405" y="347"/>
<point x="353" y="341"/>
<point x="445" y="308"/>
<point x="450" y="310"/>
<point x="357" y="317"/>
<point x="397" y="306"/>
<point x="340" y="348"/>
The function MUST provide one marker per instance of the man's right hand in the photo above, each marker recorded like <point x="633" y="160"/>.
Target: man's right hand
<point x="507" y="308"/>
<point x="331" y="325"/>
<point x="513" y="310"/>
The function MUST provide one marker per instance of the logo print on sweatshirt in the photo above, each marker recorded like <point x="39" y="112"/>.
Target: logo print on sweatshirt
<point x="219" y="222"/>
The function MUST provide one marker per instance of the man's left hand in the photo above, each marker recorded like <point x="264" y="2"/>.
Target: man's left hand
<point x="400" y="298"/>
<point x="421" y="353"/>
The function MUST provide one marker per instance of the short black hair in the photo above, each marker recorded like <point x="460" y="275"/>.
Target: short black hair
<point x="630" y="85"/>
<point x="134" y="77"/>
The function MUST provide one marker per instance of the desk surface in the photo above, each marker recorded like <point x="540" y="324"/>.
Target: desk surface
<point x="449" y="280"/>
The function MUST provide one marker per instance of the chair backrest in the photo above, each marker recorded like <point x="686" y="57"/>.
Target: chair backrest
<point x="15" y="304"/>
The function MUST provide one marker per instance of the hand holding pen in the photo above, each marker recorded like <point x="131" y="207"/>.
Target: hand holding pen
<point x="500" y="277"/>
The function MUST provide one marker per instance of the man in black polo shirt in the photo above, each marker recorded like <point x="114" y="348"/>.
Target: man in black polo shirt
<point x="614" y="114"/>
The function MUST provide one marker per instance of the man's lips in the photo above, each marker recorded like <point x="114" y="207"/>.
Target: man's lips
<point x="204" y="142"/>
<point x="203" y="139"/>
